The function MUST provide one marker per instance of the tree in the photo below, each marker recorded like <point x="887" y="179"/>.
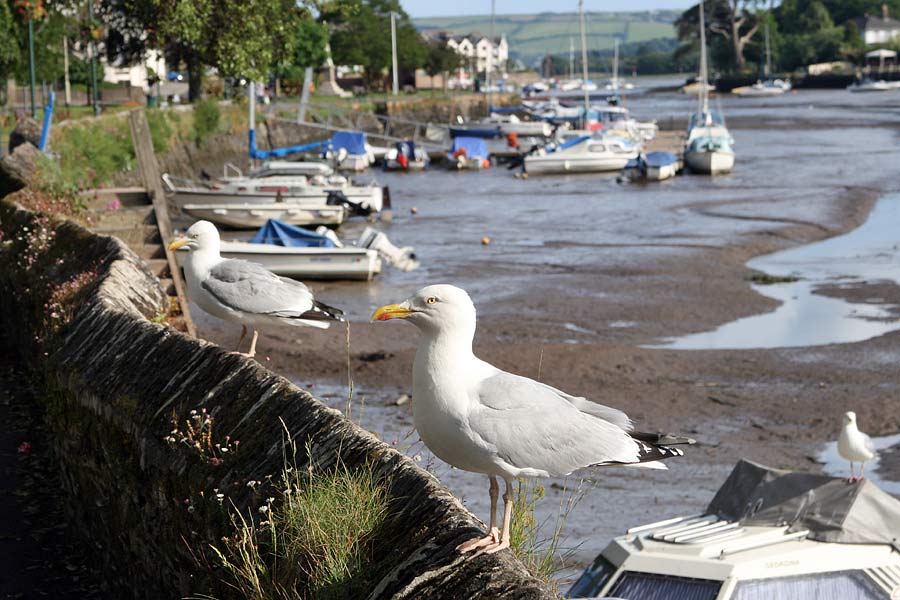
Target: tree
<point x="361" y="35"/>
<point x="9" y="50"/>
<point x="237" y="37"/>
<point x="441" y="60"/>
<point x="730" y="20"/>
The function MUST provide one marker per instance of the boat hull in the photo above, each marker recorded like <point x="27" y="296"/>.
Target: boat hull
<point x="709" y="162"/>
<point x="357" y="264"/>
<point x="251" y="216"/>
<point x="550" y="164"/>
<point x="360" y="195"/>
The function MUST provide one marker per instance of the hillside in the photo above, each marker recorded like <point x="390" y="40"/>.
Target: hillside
<point x="531" y="36"/>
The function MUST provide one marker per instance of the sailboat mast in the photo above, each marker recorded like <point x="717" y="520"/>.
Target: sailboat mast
<point x="768" y="55"/>
<point x="615" y="77"/>
<point x="584" y="60"/>
<point x="571" y="59"/>
<point x="704" y="75"/>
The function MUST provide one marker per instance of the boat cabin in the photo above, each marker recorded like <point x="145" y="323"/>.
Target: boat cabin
<point x="767" y="534"/>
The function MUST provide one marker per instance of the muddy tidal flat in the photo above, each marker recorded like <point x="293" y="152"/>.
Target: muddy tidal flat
<point x="585" y="279"/>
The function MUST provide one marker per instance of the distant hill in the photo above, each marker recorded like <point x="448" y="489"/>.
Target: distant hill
<point x="532" y="36"/>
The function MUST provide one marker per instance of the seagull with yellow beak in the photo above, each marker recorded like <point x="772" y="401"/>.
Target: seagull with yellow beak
<point x="478" y="418"/>
<point x="242" y="292"/>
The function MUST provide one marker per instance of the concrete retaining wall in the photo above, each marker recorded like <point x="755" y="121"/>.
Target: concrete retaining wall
<point x="114" y="379"/>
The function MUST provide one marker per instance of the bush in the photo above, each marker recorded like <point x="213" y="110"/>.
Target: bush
<point x="160" y="130"/>
<point x="206" y="120"/>
<point x="93" y="152"/>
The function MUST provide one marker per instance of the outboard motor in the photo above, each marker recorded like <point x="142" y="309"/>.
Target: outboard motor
<point x="402" y="258"/>
<point x="338" y="198"/>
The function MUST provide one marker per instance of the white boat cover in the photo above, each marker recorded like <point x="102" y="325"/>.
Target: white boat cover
<point x="832" y="509"/>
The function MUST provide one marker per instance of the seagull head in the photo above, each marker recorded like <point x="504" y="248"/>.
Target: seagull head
<point x="849" y="417"/>
<point x="202" y="235"/>
<point x="434" y="308"/>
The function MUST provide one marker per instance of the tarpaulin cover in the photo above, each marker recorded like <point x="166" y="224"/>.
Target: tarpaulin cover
<point x="660" y="159"/>
<point x="699" y="119"/>
<point x="281" y="234"/>
<point x="474" y="147"/>
<point x="353" y="141"/>
<point x="832" y="509"/>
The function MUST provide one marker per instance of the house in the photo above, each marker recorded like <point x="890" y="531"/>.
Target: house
<point x="878" y="30"/>
<point x="136" y="75"/>
<point x="478" y="50"/>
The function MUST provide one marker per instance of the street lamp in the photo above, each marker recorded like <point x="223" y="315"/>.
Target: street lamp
<point x="394" y="48"/>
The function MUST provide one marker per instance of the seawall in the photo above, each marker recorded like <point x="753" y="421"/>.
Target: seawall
<point x="80" y="310"/>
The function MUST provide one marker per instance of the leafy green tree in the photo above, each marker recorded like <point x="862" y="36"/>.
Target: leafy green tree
<point x="361" y="35"/>
<point x="9" y="50"/>
<point x="730" y="22"/>
<point x="237" y="37"/>
<point x="441" y="60"/>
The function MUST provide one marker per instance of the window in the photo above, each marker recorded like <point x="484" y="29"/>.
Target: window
<point x="841" y="585"/>
<point x="650" y="586"/>
<point x="596" y="148"/>
<point x="592" y="580"/>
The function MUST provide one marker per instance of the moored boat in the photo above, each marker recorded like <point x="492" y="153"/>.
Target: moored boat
<point x="468" y="153"/>
<point x="251" y="216"/>
<point x="653" y="166"/>
<point x="766" y="534"/>
<point x="405" y="156"/>
<point x="584" y="154"/>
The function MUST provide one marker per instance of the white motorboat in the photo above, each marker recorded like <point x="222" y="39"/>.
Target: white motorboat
<point x="870" y="85"/>
<point x="708" y="144"/>
<point x="348" y="151"/>
<point x="293" y="190"/>
<point x="767" y="534"/>
<point x="617" y="120"/>
<point x="468" y="153"/>
<point x="294" y="252"/>
<point x="511" y="124"/>
<point x="406" y="156"/>
<point x="763" y="89"/>
<point x="653" y="166"/>
<point x="768" y="86"/>
<point x="584" y="154"/>
<point x="251" y="216"/>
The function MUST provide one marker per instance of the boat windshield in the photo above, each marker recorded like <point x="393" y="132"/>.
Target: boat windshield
<point x="593" y="579"/>
<point x="634" y="585"/>
<point x="842" y="585"/>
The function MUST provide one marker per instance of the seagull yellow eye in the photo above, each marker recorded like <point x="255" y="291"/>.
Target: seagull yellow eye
<point x="430" y="300"/>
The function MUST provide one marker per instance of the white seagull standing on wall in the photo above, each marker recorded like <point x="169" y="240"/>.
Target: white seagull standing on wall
<point x="243" y="292"/>
<point x="478" y="418"/>
<point x="855" y="446"/>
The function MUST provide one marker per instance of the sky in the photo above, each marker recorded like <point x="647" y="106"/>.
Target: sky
<point x="430" y="8"/>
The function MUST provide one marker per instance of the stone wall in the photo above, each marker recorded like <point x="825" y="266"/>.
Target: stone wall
<point x="114" y="378"/>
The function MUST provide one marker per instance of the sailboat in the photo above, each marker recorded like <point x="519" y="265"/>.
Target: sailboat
<point x="767" y="87"/>
<point x="708" y="145"/>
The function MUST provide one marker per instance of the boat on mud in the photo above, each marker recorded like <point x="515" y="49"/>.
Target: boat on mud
<point x="596" y="153"/>
<point x="406" y="156"/>
<point x="653" y="166"/>
<point x="468" y="153"/>
<point x="292" y="251"/>
<point x="766" y="534"/>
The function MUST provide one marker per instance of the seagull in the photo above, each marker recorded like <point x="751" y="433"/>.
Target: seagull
<point x="478" y="418"/>
<point x="855" y="446"/>
<point x="243" y="292"/>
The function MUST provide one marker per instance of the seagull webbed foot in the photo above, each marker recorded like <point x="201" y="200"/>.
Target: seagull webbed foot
<point x="490" y="540"/>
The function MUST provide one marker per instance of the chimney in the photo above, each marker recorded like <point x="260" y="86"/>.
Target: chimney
<point x="884" y="11"/>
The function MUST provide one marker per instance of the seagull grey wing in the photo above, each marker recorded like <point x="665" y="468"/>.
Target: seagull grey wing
<point x="607" y="413"/>
<point x="867" y="442"/>
<point x="531" y="427"/>
<point x="250" y="288"/>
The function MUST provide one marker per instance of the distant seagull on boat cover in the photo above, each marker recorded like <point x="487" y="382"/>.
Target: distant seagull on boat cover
<point x="478" y="418"/>
<point x="243" y="292"/>
<point x="855" y="446"/>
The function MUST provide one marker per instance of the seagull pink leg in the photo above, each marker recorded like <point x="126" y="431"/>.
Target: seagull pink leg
<point x="243" y="335"/>
<point x="252" y="352"/>
<point x="851" y="479"/>
<point x="507" y="517"/>
<point x="493" y="536"/>
<point x="862" y="471"/>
